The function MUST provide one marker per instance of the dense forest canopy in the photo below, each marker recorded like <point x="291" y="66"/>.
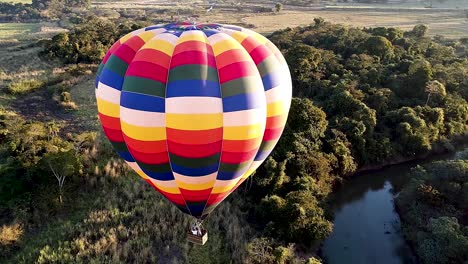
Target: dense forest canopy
<point x="434" y="211"/>
<point x="362" y="97"/>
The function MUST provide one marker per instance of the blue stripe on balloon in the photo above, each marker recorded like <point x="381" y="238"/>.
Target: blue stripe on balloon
<point x="154" y="27"/>
<point x="271" y="80"/>
<point x="196" y="210"/>
<point x="181" y="88"/>
<point x="261" y="155"/>
<point x="126" y="156"/>
<point x="162" y="176"/>
<point x="194" y="171"/>
<point x="111" y="79"/>
<point x="96" y="82"/>
<point x="210" y="32"/>
<point x="225" y="176"/>
<point x="243" y="101"/>
<point x="142" y="102"/>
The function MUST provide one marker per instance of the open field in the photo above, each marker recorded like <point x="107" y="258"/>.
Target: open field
<point x="451" y="24"/>
<point x="27" y="31"/>
<point x="10" y="31"/>
<point x="16" y="1"/>
<point x="452" y="21"/>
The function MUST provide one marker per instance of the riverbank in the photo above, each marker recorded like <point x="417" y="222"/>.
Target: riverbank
<point x="438" y="148"/>
<point x="367" y="228"/>
<point x="433" y="210"/>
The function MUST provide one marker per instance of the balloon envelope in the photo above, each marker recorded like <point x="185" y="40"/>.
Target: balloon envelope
<point x="194" y="109"/>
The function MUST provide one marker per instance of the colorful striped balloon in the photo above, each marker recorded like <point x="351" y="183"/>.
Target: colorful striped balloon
<point x="194" y="109"/>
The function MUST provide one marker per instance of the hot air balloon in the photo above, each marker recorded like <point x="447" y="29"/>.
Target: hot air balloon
<point x="194" y="109"/>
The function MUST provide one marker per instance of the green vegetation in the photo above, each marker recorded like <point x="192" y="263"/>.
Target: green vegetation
<point x="88" y="41"/>
<point x="362" y="97"/>
<point x="38" y="9"/>
<point x="17" y="30"/>
<point x="434" y="211"/>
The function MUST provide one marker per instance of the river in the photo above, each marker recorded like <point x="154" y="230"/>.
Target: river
<point x="366" y="226"/>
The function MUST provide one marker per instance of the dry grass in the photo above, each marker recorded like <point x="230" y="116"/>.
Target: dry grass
<point x="9" y="234"/>
<point x="450" y="24"/>
<point x="16" y="1"/>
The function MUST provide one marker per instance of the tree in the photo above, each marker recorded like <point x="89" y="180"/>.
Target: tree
<point x="419" y="31"/>
<point x="278" y="7"/>
<point x="62" y="164"/>
<point x="434" y="87"/>
<point x="378" y="46"/>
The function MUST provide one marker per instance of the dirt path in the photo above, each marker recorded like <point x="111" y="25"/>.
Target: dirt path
<point x="40" y="106"/>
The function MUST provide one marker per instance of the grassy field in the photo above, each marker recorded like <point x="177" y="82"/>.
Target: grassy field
<point x="16" y="1"/>
<point x="451" y="24"/>
<point x="10" y="31"/>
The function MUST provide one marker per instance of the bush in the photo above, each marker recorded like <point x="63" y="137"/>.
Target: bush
<point x="24" y="86"/>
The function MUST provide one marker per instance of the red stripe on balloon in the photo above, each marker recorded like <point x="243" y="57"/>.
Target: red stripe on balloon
<point x="125" y="53"/>
<point x="111" y="51"/>
<point x="155" y="56"/>
<point x="113" y="135"/>
<point x="275" y="121"/>
<point x="250" y="43"/>
<point x="260" y="53"/>
<point x="146" y="146"/>
<point x="237" y="70"/>
<point x="237" y="157"/>
<point x="194" y="151"/>
<point x="230" y="56"/>
<point x="135" y="43"/>
<point x="110" y="122"/>
<point x="149" y="158"/>
<point x="147" y="70"/>
<point x="272" y="133"/>
<point x="196" y="194"/>
<point x="194" y="137"/>
<point x="240" y="145"/>
<point x="192" y="45"/>
<point x="216" y="198"/>
<point x="193" y="57"/>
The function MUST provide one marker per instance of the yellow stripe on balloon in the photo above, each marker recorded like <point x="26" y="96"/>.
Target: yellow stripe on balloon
<point x="225" y="45"/>
<point x="237" y="35"/>
<point x="161" y="45"/>
<point x="243" y="132"/>
<point x="143" y="133"/>
<point x="194" y="122"/>
<point x="195" y="187"/>
<point x="276" y="108"/>
<point x="224" y="188"/>
<point x="147" y="35"/>
<point x="166" y="186"/>
<point x="108" y="108"/>
<point x="192" y="36"/>
<point x="256" y="35"/>
<point x="126" y="37"/>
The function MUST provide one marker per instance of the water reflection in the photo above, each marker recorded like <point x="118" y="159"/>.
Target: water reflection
<point x="366" y="226"/>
